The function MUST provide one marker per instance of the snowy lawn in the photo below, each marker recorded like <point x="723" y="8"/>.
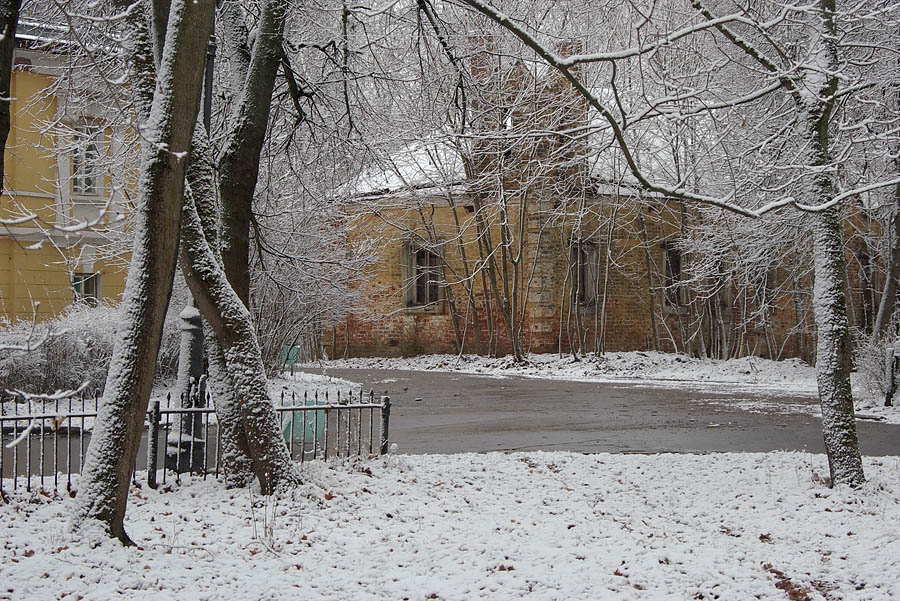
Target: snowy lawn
<point x="790" y="375"/>
<point x="495" y="526"/>
<point x="750" y="374"/>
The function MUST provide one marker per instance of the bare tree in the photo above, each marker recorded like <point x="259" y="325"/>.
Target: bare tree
<point x="799" y="69"/>
<point x="185" y="28"/>
<point x="9" y="21"/>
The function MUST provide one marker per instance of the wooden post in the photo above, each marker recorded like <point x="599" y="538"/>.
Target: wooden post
<point x="385" y="422"/>
<point x="153" y="445"/>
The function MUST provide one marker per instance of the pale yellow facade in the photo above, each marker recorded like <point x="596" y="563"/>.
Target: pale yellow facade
<point x="42" y="254"/>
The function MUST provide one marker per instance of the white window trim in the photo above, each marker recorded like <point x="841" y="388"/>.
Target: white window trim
<point x="71" y="205"/>
<point x="94" y="135"/>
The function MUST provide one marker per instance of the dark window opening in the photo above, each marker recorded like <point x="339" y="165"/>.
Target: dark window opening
<point x="426" y="278"/>
<point x="86" y="287"/>
<point x="585" y="272"/>
<point x="675" y="292"/>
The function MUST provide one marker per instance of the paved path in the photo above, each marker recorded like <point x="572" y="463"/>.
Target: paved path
<point x="460" y="412"/>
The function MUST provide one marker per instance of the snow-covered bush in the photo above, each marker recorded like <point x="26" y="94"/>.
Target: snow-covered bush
<point x="77" y="347"/>
<point x="17" y="368"/>
<point x="870" y="364"/>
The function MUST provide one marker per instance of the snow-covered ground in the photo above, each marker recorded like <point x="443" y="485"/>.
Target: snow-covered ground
<point x="751" y="374"/>
<point x="673" y="369"/>
<point x="535" y="526"/>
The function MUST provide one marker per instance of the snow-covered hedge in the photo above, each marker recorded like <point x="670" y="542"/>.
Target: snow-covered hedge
<point x="77" y="350"/>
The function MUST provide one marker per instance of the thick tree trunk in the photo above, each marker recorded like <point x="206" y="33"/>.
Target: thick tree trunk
<point x="251" y="435"/>
<point x="247" y="415"/>
<point x="236" y="464"/>
<point x="103" y="488"/>
<point x="9" y="20"/>
<point x="834" y="352"/>
<point x="239" y="163"/>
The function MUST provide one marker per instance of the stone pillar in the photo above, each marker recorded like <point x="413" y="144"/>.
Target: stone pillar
<point x="184" y="446"/>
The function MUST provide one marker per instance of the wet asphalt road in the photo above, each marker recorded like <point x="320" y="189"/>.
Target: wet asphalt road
<point x="462" y="412"/>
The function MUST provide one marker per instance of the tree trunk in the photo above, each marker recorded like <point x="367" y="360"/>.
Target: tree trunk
<point x="833" y="356"/>
<point x="889" y="297"/>
<point x="9" y="19"/>
<point x="251" y="435"/>
<point x="239" y="162"/>
<point x="236" y="464"/>
<point x="834" y="351"/>
<point x="250" y="424"/>
<point x="103" y="488"/>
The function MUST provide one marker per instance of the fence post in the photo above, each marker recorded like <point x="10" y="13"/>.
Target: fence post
<point x="889" y="374"/>
<point x="385" y="422"/>
<point x="153" y="445"/>
<point x="198" y="442"/>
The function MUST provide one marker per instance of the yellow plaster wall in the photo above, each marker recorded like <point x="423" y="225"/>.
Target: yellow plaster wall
<point x="30" y="163"/>
<point x="400" y="330"/>
<point x="38" y="275"/>
<point x="43" y="276"/>
<point x="6" y="264"/>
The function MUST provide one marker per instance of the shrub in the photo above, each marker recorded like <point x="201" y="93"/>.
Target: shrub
<point x="77" y="349"/>
<point x="870" y="363"/>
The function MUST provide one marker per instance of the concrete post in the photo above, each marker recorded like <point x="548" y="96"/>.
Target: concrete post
<point x="184" y="448"/>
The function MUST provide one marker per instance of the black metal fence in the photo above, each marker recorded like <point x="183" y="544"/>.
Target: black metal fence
<point x="46" y="446"/>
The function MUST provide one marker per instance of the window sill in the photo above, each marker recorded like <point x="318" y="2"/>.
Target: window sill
<point x="434" y="308"/>
<point x="675" y="310"/>
<point x="93" y="199"/>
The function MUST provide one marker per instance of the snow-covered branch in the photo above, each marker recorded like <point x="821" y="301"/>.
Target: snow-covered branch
<point x="30" y="398"/>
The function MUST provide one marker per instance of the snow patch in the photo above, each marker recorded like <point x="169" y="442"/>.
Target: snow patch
<point x="535" y="526"/>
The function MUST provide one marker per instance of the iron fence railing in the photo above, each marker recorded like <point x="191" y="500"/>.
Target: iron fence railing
<point x="47" y="446"/>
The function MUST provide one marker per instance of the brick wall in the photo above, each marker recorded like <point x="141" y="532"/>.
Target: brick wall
<point x="551" y="321"/>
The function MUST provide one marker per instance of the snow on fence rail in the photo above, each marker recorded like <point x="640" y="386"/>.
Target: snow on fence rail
<point x="51" y="443"/>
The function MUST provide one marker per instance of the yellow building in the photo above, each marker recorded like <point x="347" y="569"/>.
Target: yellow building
<point x="59" y="209"/>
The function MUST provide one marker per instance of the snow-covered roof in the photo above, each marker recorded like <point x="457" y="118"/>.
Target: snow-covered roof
<point x="414" y="166"/>
<point x="31" y="31"/>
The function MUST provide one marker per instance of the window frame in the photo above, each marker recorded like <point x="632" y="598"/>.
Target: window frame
<point x="90" y="294"/>
<point x="89" y="151"/>
<point x="419" y="291"/>
<point x="584" y="255"/>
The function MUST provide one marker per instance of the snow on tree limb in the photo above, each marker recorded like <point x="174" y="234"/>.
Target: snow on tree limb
<point x="176" y="102"/>
<point x="565" y="65"/>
